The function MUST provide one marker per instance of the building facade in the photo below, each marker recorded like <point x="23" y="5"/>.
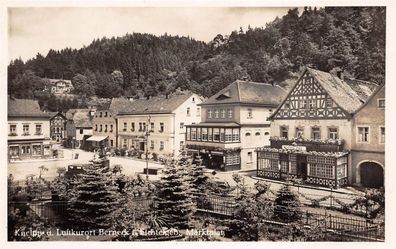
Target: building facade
<point x="60" y="86"/>
<point x="79" y="127"/>
<point x="234" y="123"/>
<point x="28" y="130"/>
<point x="368" y="142"/>
<point x="158" y="124"/>
<point x="57" y="126"/>
<point x="105" y="132"/>
<point x="311" y="132"/>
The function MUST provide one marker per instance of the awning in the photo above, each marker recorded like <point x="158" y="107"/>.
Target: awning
<point x="97" y="138"/>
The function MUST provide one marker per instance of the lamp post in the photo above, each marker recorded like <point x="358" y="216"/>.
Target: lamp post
<point x="146" y="142"/>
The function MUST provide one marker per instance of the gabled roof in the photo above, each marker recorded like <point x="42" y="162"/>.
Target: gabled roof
<point x="339" y="90"/>
<point x="363" y="88"/>
<point x="379" y="88"/>
<point x="116" y="105"/>
<point x="53" y="114"/>
<point x="248" y="92"/>
<point x="80" y="117"/>
<point x="25" y="108"/>
<point x="155" y="105"/>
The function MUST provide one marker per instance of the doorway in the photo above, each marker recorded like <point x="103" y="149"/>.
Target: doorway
<point x="371" y="175"/>
<point x="302" y="166"/>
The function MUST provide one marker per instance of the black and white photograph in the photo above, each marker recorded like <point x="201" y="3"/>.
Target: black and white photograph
<point x="196" y="123"/>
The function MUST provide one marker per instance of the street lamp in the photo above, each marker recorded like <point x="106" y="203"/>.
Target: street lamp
<point x="146" y="143"/>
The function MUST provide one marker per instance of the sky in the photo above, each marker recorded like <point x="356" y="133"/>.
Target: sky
<point x="37" y="30"/>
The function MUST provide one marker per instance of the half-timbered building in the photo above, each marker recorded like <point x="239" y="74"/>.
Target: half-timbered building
<point x="311" y="131"/>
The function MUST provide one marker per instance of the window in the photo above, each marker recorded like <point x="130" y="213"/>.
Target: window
<point x="247" y="134"/>
<point x="250" y="156"/>
<point x="209" y="113"/>
<point x="13" y="130"/>
<point x="232" y="159"/>
<point x="329" y="102"/>
<point x="181" y="125"/>
<point x="25" y="129"/>
<point x="229" y="113"/>
<point x="216" y="134"/>
<point x="315" y="133"/>
<point x="299" y="132"/>
<point x="235" y="135"/>
<point x="105" y="128"/>
<point x="100" y="114"/>
<point x="381" y="103"/>
<point x="284" y="132"/>
<point x="321" y="170"/>
<point x="198" y="111"/>
<point x="228" y="135"/>
<point x="125" y="143"/>
<point x="125" y="127"/>
<point x="81" y="131"/>
<point x="312" y="103"/>
<point x="161" y="127"/>
<point x="57" y="129"/>
<point x="101" y="128"/>
<point x="333" y="133"/>
<point x="284" y="165"/>
<point x="193" y="133"/>
<point x="222" y="113"/>
<point x="111" y="142"/>
<point x="132" y="126"/>
<point x="96" y="127"/>
<point x="188" y="134"/>
<point x="257" y="134"/>
<point x="222" y="135"/>
<point x="382" y="135"/>
<point x="144" y="126"/>
<point x="111" y="128"/>
<point x="216" y="114"/>
<point x="363" y="134"/>
<point x="204" y="134"/>
<point x="193" y="100"/>
<point x="161" y="145"/>
<point x="303" y="104"/>
<point x="188" y="111"/>
<point x="266" y="133"/>
<point x="198" y="134"/>
<point x="152" y="127"/>
<point x="36" y="149"/>
<point x="38" y="129"/>
<point x="105" y="114"/>
<point x="287" y="105"/>
<point x="250" y="113"/>
<point x="210" y="134"/>
<point x="152" y="144"/>
<point x="140" y="126"/>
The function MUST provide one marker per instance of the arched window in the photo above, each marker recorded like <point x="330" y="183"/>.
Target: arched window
<point x="257" y="134"/>
<point x="266" y="133"/>
<point x="247" y="134"/>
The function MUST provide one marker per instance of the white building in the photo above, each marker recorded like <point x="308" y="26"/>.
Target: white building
<point x="164" y="118"/>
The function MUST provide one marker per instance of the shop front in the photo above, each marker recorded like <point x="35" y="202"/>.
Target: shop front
<point x="327" y="169"/>
<point x="217" y="158"/>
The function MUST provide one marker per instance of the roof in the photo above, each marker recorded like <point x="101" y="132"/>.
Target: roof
<point x="80" y="117"/>
<point x="363" y="88"/>
<point x="228" y="124"/>
<point x="154" y="105"/>
<point x="248" y="92"/>
<point x="25" y="108"/>
<point x="339" y="90"/>
<point x="97" y="138"/>
<point x="379" y="88"/>
<point x="115" y="105"/>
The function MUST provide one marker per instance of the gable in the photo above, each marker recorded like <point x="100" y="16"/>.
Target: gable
<point x="308" y="99"/>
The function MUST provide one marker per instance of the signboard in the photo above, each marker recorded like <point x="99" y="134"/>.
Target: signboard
<point x="294" y="147"/>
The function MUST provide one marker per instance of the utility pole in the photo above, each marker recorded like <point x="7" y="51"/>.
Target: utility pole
<point x="148" y="129"/>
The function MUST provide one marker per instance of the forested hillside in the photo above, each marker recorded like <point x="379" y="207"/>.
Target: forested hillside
<point x="350" y="39"/>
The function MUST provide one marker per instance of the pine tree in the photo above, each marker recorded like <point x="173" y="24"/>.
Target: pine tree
<point x="287" y="205"/>
<point x="198" y="179"/>
<point x="95" y="197"/>
<point x="173" y="199"/>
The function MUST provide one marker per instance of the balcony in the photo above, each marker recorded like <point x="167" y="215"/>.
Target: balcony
<point x="326" y="145"/>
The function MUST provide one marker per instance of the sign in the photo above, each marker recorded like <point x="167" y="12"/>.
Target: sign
<point x="294" y="147"/>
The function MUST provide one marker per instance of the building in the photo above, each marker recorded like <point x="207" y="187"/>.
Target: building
<point x="368" y="142"/>
<point x="163" y="119"/>
<point x="57" y="126"/>
<point x="60" y="86"/>
<point x="79" y="127"/>
<point x="105" y="130"/>
<point x="28" y="130"/>
<point x="234" y="123"/>
<point x="312" y="131"/>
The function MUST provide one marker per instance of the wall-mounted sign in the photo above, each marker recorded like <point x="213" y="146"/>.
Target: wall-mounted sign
<point x="294" y="147"/>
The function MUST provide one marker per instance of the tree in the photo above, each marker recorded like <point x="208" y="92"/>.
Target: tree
<point x="287" y="205"/>
<point x="94" y="198"/>
<point x="173" y="198"/>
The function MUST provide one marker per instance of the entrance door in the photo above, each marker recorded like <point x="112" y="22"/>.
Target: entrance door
<point x="302" y="166"/>
<point x="371" y="175"/>
<point x="141" y="146"/>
